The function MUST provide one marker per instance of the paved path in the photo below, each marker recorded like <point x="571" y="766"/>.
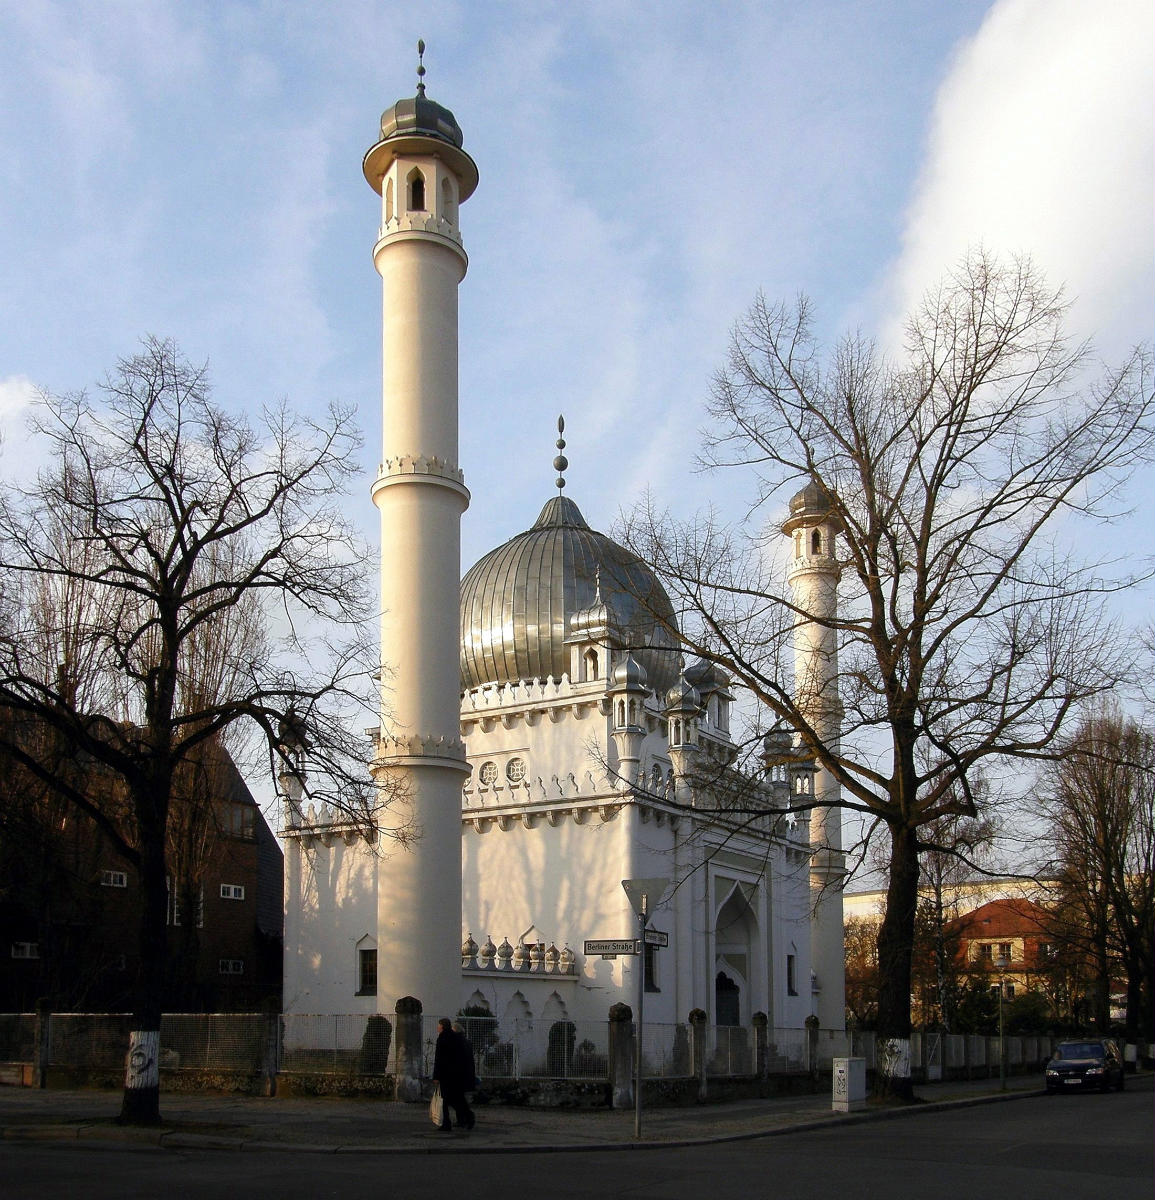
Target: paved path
<point x="374" y="1126"/>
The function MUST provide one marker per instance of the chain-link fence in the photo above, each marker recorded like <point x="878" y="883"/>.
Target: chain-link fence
<point x="17" y="1037"/>
<point x="521" y="1049"/>
<point x="340" y="1044"/>
<point x="93" y="1041"/>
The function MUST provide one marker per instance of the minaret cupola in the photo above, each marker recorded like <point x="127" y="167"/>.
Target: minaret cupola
<point x="628" y="691"/>
<point x="683" y="706"/>
<point x="419" y="167"/>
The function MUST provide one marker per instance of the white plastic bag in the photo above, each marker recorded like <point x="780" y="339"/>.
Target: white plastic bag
<point x="437" y="1107"/>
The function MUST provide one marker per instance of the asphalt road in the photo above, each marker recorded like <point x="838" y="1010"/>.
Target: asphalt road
<point x="1057" y="1148"/>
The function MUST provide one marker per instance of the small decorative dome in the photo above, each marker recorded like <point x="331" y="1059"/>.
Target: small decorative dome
<point x="552" y="954"/>
<point x="489" y="949"/>
<point x="567" y="957"/>
<point x="683" y="697"/>
<point x="630" y="676"/>
<point x="504" y="951"/>
<point x="519" y="601"/>
<point x="809" y="506"/>
<point x="706" y="676"/>
<point x="777" y="743"/>
<point x="468" y="947"/>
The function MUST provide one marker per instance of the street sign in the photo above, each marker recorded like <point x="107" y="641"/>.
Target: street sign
<point x="613" y="946"/>
<point x="656" y="937"/>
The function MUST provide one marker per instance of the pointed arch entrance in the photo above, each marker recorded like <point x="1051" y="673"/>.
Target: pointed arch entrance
<point x="735" y="939"/>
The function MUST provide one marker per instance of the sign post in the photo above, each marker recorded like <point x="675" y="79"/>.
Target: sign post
<point x="644" y="895"/>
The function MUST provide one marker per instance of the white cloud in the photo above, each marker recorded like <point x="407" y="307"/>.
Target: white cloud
<point x="17" y="392"/>
<point x="1041" y="143"/>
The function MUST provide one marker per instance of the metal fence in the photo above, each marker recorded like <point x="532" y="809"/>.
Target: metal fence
<point x="522" y="1049"/>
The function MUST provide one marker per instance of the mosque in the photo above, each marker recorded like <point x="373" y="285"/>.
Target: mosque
<point x="549" y="737"/>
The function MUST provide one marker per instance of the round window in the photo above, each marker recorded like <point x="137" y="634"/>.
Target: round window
<point x="515" y="770"/>
<point x="488" y="774"/>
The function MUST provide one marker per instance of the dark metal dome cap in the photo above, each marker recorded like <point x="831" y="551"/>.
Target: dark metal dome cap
<point x="420" y="115"/>
<point x="517" y="601"/>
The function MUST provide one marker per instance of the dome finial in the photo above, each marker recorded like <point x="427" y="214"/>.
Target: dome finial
<point x="420" y="67"/>
<point x="561" y="462"/>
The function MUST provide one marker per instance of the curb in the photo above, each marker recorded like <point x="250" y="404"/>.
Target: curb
<point x="119" y="1138"/>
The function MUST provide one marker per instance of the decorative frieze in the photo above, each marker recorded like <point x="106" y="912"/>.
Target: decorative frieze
<point x="532" y="959"/>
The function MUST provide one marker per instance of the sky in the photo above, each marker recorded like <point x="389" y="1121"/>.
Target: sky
<point x="193" y="170"/>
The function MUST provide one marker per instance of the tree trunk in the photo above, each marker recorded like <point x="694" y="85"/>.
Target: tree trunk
<point x="895" y="946"/>
<point x="141" y="1102"/>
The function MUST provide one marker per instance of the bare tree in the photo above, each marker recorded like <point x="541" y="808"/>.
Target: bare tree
<point x="1099" y="803"/>
<point x="965" y="636"/>
<point x="178" y="573"/>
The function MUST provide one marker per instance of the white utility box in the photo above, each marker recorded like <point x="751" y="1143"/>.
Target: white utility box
<point x="849" y="1084"/>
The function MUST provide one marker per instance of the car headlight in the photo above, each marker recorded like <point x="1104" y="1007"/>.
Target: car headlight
<point x="1094" y="1070"/>
<point x="1052" y="1071"/>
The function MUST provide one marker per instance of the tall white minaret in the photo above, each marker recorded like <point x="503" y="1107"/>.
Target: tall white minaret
<point x="813" y="577"/>
<point x="423" y="176"/>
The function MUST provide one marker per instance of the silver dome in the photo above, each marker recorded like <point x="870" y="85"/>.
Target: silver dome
<point x="517" y="601"/>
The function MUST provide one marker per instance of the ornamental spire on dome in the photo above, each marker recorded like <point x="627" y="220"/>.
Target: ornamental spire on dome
<point x="420" y="67"/>
<point x="561" y="462"/>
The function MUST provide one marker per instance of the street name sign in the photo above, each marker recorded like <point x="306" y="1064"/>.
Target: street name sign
<point x="656" y="937"/>
<point x="612" y="946"/>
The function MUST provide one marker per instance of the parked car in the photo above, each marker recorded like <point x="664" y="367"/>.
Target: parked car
<point x="1085" y="1066"/>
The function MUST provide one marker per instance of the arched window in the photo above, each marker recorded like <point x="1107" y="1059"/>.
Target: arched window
<point x="591" y="664"/>
<point x="388" y="201"/>
<point x="621" y="713"/>
<point x="816" y="542"/>
<point x="797" y="544"/>
<point x="416" y="182"/>
<point x="448" y="200"/>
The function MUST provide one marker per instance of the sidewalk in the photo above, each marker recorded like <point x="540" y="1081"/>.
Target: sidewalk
<point x="382" y="1127"/>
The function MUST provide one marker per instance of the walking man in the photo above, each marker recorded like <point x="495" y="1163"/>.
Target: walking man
<point x="453" y="1069"/>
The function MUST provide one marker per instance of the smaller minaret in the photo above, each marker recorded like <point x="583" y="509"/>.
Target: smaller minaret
<point x="813" y="526"/>
<point x="628" y="692"/>
<point x="683" y="706"/>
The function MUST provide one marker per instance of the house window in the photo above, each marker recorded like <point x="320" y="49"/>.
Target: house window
<point x="650" y="966"/>
<point x="232" y="966"/>
<point x="986" y="952"/>
<point x="791" y="975"/>
<point x="1005" y="951"/>
<point x="1010" y="991"/>
<point x="25" y="949"/>
<point x="232" y="891"/>
<point x="367" y="972"/>
<point x="240" y="820"/>
<point x="113" y="879"/>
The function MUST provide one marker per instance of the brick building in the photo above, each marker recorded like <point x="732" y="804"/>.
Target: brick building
<point x="69" y="902"/>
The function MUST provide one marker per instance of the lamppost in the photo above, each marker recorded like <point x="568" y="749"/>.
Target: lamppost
<point x="1001" y="963"/>
<point x="644" y="895"/>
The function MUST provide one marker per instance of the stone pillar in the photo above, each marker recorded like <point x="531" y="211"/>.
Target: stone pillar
<point x="407" y="1050"/>
<point x="698" y="1048"/>
<point x="761" y="1045"/>
<point x="271" y="1050"/>
<point x="621" y="1058"/>
<point x="812" y="1044"/>
<point x="42" y="1043"/>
